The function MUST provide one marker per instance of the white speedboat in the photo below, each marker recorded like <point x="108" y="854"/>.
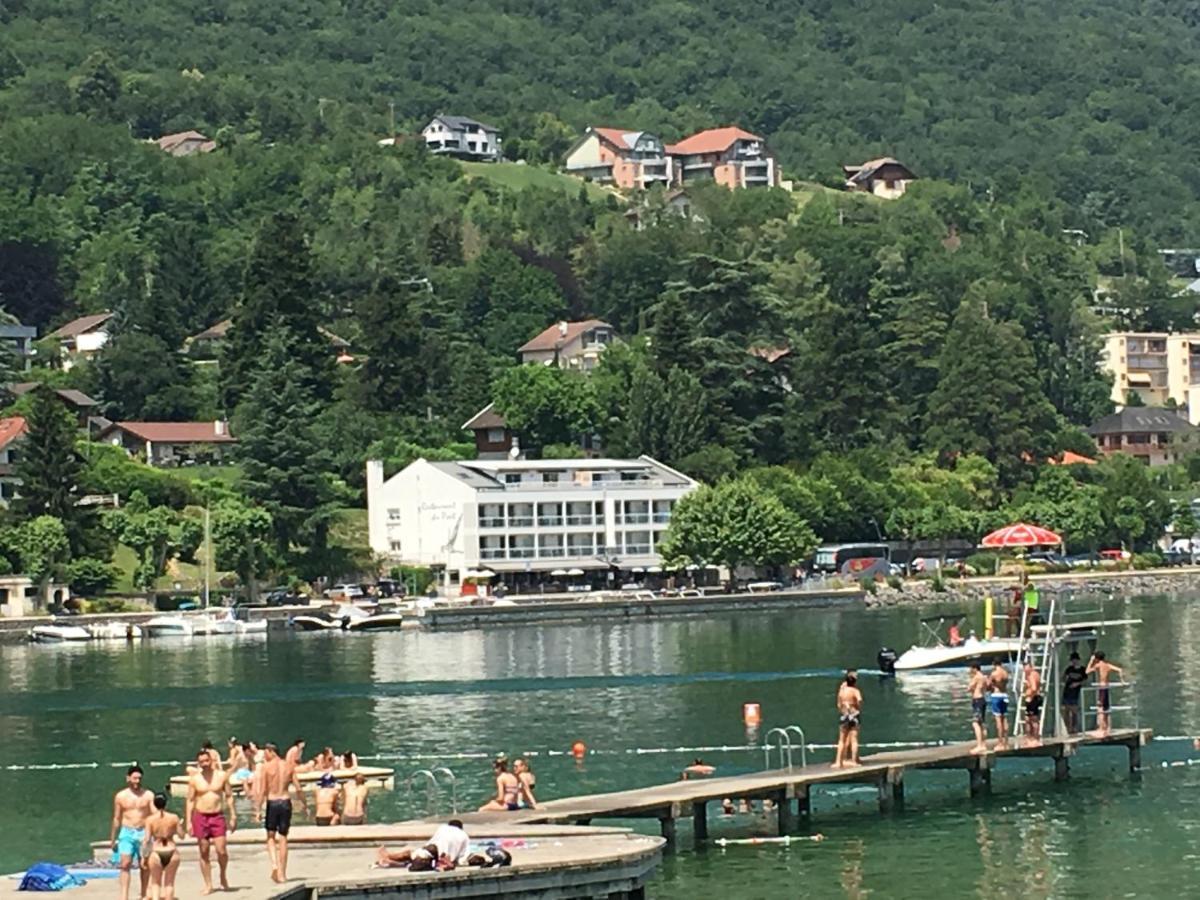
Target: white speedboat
<point x="951" y="651"/>
<point x="115" y="631"/>
<point x="168" y="626"/>
<point x="226" y="624"/>
<point x="58" y="633"/>
<point x="378" y="619"/>
<point x="348" y="617"/>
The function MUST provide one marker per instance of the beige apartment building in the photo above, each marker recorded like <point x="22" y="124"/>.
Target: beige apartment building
<point x="1157" y="366"/>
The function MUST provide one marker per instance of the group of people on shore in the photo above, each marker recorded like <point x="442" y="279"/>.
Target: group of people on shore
<point x="989" y="694"/>
<point x="144" y="828"/>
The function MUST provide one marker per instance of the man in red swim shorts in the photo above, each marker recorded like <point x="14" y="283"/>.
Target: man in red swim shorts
<point x="209" y="793"/>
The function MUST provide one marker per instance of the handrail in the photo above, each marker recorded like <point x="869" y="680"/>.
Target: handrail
<point x="785" y="748"/>
<point x="432" y="791"/>
<point x="803" y="744"/>
<point x="453" y="779"/>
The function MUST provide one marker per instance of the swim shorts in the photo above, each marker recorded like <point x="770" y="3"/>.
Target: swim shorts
<point x="279" y="817"/>
<point x="850" y="720"/>
<point x="208" y="825"/>
<point x="999" y="704"/>
<point x="978" y="709"/>
<point x="1033" y="706"/>
<point x="354" y="820"/>
<point x="1103" y="699"/>
<point x="129" y="841"/>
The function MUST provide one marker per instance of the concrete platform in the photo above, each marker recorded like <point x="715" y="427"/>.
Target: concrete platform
<point x="558" y="862"/>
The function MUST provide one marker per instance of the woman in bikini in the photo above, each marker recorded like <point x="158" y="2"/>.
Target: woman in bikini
<point x="162" y="857"/>
<point x="508" y="789"/>
<point x="528" y="782"/>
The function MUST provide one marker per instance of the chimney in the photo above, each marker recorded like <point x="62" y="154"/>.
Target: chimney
<point x="562" y="328"/>
<point x="219" y="427"/>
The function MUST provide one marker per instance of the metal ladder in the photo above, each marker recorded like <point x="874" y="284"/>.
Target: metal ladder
<point x="785" y="747"/>
<point x="1038" y="645"/>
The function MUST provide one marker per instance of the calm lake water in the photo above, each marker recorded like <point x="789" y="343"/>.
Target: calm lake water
<point x="642" y="695"/>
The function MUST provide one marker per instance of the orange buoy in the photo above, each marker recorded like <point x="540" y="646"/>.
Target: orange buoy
<point x="578" y="749"/>
<point x="751" y="713"/>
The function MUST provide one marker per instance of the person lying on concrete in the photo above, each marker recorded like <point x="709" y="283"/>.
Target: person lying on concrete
<point x="446" y="849"/>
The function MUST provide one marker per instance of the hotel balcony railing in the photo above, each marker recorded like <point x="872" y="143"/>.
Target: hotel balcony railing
<point x="551" y="552"/>
<point x="634" y="519"/>
<point x="520" y="521"/>
<point x="637" y="549"/>
<point x="549" y="521"/>
<point x="491" y="521"/>
<point x="662" y="518"/>
<point x="579" y="550"/>
<point x="585" y="520"/>
<point x="521" y="553"/>
<point x="493" y="553"/>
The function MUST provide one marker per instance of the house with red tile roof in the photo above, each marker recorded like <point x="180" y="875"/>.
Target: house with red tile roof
<point x="569" y="345"/>
<point x="170" y="443"/>
<point x="185" y="143"/>
<point x="12" y="429"/>
<point x="884" y="177"/>
<point x="630" y="160"/>
<point x="729" y="156"/>
<point x="82" y="338"/>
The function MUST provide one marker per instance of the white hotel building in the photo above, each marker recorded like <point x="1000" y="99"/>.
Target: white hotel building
<point x="523" y="515"/>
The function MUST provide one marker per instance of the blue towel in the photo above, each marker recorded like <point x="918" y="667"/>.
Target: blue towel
<point x="46" y="876"/>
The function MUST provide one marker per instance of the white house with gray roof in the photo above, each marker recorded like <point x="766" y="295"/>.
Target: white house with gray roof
<point x="462" y="138"/>
<point x="516" y="516"/>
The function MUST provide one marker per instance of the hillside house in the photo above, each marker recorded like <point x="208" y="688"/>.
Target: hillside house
<point x="12" y="429"/>
<point x="185" y="143"/>
<point x="883" y="177"/>
<point x="630" y="160"/>
<point x="569" y="345"/>
<point x="729" y="156"/>
<point x="170" y="443"/>
<point x="462" y="138"/>
<point x="80" y="404"/>
<point x="81" y="339"/>
<point x="1150" y="434"/>
<point x="493" y="439"/>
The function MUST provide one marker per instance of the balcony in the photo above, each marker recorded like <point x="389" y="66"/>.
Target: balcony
<point x="549" y="521"/>
<point x="491" y="522"/>
<point x="552" y="553"/>
<point x="520" y="521"/>
<point x="584" y="520"/>
<point x="662" y="518"/>
<point x="492" y="553"/>
<point x="634" y="519"/>
<point x="520" y="553"/>
<point x="637" y="549"/>
<point x="578" y="551"/>
<point x="1144" y="361"/>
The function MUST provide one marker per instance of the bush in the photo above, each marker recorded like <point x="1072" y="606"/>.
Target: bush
<point x="1150" y="560"/>
<point x="867" y="583"/>
<point x="983" y="563"/>
<point x="414" y="578"/>
<point x="112" y="605"/>
<point x="88" y="576"/>
<point x="895" y="582"/>
<point x="939" y="583"/>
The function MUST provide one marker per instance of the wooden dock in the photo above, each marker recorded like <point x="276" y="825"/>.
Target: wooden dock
<point x="791" y="789"/>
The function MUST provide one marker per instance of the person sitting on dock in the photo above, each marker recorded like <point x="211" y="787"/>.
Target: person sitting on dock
<point x="354" y="801"/>
<point x="849" y="707"/>
<point x="446" y="849"/>
<point x="698" y="769"/>
<point x="349" y="760"/>
<point x="1104" y="670"/>
<point x="998" y="701"/>
<point x="528" y="782"/>
<point x="324" y="761"/>
<point x="977" y="687"/>
<point x="508" y="789"/>
<point x="1074" y="678"/>
<point x="1032" y="695"/>
<point x="327" y="797"/>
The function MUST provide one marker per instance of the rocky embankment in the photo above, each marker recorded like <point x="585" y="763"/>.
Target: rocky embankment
<point x="971" y="590"/>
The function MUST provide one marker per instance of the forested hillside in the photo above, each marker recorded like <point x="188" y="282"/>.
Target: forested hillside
<point x="1094" y="98"/>
<point x="867" y="362"/>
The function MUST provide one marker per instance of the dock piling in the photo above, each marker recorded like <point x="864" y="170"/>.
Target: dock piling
<point x="700" y="820"/>
<point x="1062" y="767"/>
<point x="802" y="806"/>
<point x="784" y="808"/>
<point x="667" y="824"/>
<point x="981" y="779"/>
<point x="1135" y="755"/>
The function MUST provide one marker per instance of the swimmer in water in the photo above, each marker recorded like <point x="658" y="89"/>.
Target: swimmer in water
<point x="698" y="769"/>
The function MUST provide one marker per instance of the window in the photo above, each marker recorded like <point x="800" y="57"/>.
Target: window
<point x="495" y="435"/>
<point x="395" y="545"/>
<point x="512" y="478"/>
<point x="393" y="515"/>
<point x="550" y="477"/>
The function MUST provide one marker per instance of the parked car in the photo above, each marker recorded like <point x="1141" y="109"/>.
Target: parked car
<point x="1115" y="554"/>
<point x="1049" y="558"/>
<point x="348" y="591"/>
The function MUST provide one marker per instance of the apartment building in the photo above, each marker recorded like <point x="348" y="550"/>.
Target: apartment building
<point x="524" y="519"/>
<point x="462" y="138"/>
<point x="729" y="156"/>
<point x="1157" y="366"/>
<point x="630" y="160"/>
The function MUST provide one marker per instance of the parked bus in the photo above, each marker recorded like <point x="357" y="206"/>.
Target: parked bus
<point x="855" y="560"/>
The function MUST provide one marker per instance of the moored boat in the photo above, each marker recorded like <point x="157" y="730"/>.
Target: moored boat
<point x="114" y="631"/>
<point x="168" y="626"/>
<point x="951" y="650"/>
<point x="58" y="633"/>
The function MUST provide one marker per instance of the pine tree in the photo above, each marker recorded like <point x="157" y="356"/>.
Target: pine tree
<point x="279" y="291"/>
<point x="51" y="469"/>
<point x="285" y="470"/>
<point x="989" y="399"/>
<point x="674" y="331"/>
<point x="391" y="377"/>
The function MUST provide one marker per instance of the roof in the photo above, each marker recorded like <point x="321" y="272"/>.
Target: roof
<point x="560" y="334"/>
<point x="1142" y="418"/>
<point x="11" y="428"/>
<point x="858" y="174"/>
<point x="770" y="354"/>
<point x="1070" y="458"/>
<point x="174" y="432"/>
<point x="460" y="122"/>
<point x="619" y="137"/>
<point x="488" y="473"/>
<point x="713" y="140"/>
<point x="485" y="418"/>
<point x="173" y="142"/>
<point x="214" y="332"/>
<point x="72" y="396"/>
<point x="82" y="325"/>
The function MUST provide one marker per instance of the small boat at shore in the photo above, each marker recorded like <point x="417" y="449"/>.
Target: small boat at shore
<point x="58" y="633"/>
<point x="951" y="651"/>
<point x="168" y="626"/>
<point x="226" y="624"/>
<point x="348" y="617"/>
<point x="114" y="631"/>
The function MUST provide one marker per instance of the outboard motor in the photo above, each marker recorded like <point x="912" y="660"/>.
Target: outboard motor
<point x="887" y="661"/>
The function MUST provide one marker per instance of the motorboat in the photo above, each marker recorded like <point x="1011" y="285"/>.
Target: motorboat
<point x="378" y="619"/>
<point x="168" y="626"/>
<point x="349" y="617"/>
<point x="227" y="623"/>
<point x="58" y="633"/>
<point x="115" y="631"/>
<point x="949" y="650"/>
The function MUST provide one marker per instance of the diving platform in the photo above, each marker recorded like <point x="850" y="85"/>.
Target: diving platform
<point x="791" y="789"/>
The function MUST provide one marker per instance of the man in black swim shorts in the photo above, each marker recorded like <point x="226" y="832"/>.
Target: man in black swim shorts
<point x="849" y="707"/>
<point x="977" y="687"/>
<point x="278" y="776"/>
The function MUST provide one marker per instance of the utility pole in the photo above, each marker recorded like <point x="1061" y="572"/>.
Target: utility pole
<point x="207" y="551"/>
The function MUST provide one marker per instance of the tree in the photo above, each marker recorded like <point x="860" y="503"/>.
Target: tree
<point x="284" y="468"/>
<point x="1065" y="505"/>
<point x="391" y="377"/>
<point x="242" y="539"/>
<point x="51" y="469"/>
<point x="139" y="377"/>
<point x="989" y="400"/>
<point x="98" y="85"/>
<point x="41" y="545"/>
<point x="736" y="523"/>
<point x="156" y="534"/>
<point x="547" y="405"/>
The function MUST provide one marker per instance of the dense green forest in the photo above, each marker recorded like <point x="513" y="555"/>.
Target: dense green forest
<point x="928" y="353"/>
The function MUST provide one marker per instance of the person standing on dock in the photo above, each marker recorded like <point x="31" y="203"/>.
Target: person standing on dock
<point x="278" y="776"/>
<point x="1104" y="670"/>
<point x="998" y="700"/>
<point x="1032" y="697"/>
<point x="354" y="801"/>
<point x="132" y="806"/>
<point x="977" y="686"/>
<point x="208" y="796"/>
<point x="1074" y="678"/>
<point x="849" y="706"/>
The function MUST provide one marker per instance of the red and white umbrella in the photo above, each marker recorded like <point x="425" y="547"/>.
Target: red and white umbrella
<point x="1021" y="534"/>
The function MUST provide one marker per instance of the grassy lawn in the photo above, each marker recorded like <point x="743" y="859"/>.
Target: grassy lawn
<point x="350" y="529"/>
<point x="227" y="474"/>
<point x="189" y="575"/>
<point x="516" y="176"/>
<point x="803" y="191"/>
